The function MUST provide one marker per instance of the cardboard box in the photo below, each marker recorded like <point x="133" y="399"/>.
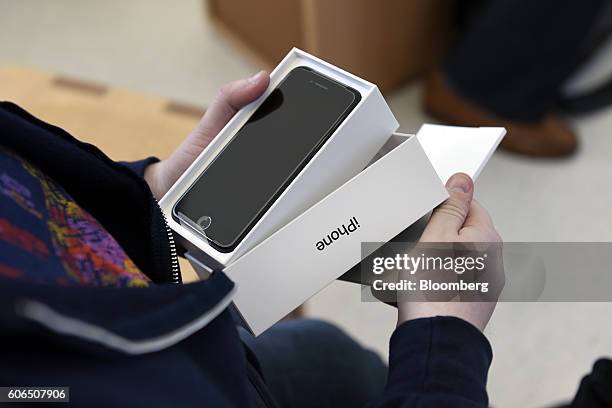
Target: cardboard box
<point x="389" y="42"/>
<point x="313" y="232"/>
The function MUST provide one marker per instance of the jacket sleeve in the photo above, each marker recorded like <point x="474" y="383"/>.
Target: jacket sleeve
<point x="437" y="362"/>
<point x="140" y="166"/>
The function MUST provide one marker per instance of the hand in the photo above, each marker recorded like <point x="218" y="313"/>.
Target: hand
<point x="232" y="97"/>
<point x="459" y="219"/>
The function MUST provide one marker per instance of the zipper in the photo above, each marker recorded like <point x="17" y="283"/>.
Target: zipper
<point x="266" y="400"/>
<point x="174" y="263"/>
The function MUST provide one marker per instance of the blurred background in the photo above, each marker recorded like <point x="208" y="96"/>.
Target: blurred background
<point x="134" y="76"/>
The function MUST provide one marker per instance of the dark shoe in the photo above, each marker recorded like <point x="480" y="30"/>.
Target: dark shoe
<point x="550" y="137"/>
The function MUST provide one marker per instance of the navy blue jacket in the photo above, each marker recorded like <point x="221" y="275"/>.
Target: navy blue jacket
<point x="173" y="344"/>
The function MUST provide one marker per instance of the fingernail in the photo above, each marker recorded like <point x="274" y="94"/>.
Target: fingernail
<point x="255" y="77"/>
<point x="459" y="182"/>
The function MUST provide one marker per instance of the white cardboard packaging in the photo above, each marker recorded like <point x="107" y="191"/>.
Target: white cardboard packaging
<point x="313" y="232"/>
<point x="343" y="155"/>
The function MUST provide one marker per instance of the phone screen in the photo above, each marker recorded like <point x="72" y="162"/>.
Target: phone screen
<point x="264" y="156"/>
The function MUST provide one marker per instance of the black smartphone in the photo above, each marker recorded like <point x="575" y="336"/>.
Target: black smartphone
<point x="264" y="156"/>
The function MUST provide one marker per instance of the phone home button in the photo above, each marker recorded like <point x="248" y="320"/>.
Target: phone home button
<point x="204" y="222"/>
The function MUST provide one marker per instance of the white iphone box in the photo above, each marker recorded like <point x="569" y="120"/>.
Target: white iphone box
<point x="346" y="194"/>
<point x="345" y="153"/>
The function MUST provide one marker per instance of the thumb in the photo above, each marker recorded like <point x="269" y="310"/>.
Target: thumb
<point x="448" y="218"/>
<point x="231" y="98"/>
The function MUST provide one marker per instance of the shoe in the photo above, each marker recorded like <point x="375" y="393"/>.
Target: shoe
<point x="550" y="137"/>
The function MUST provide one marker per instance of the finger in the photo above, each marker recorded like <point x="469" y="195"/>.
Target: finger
<point x="478" y="216"/>
<point x="236" y="94"/>
<point x="448" y="218"/>
<point x="231" y="98"/>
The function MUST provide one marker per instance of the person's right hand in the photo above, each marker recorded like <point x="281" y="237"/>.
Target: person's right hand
<point x="459" y="219"/>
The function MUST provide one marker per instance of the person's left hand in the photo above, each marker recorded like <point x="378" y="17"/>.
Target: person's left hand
<point x="233" y="96"/>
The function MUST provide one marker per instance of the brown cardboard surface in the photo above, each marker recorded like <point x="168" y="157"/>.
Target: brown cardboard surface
<point x="258" y="24"/>
<point x="387" y="42"/>
<point x="125" y="125"/>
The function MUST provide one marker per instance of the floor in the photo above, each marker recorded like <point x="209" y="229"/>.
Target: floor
<point x="168" y="48"/>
